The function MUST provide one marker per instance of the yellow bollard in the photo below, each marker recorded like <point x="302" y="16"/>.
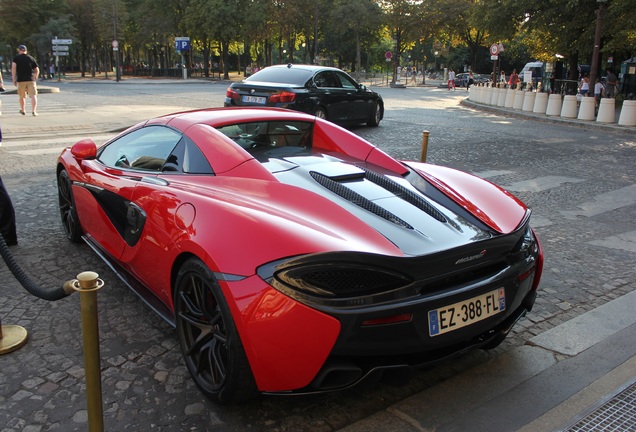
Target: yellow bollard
<point x="87" y="284"/>
<point x="424" y="146"/>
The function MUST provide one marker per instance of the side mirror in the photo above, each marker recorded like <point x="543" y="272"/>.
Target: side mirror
<point x="84" y="149"/>
<point x="362" y="87"/>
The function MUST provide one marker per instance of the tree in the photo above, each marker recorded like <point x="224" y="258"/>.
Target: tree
<point x="352" y="25"/>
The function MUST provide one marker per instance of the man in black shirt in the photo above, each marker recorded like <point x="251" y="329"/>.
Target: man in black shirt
<point x="25" y="73"/>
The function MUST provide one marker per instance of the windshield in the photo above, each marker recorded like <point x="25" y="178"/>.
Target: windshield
<point x="285" y="75"/>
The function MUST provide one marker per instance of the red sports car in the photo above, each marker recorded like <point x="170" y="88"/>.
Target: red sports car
<point x="294" y="256"/>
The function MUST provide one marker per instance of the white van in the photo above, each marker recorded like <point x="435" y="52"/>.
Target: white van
<point x="535" y="67"/>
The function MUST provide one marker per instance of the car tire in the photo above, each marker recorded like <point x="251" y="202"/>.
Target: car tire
<point x="66" y="203"/>
<point x="210" y="343"/>
<point x="376" y="115"/>
<point x="321" y="113"/>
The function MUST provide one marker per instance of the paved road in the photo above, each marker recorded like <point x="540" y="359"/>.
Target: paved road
<point x="580" y="183"/>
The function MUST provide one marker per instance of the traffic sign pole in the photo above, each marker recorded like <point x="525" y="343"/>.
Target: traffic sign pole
<point x="60" y="48"/>
<point x="494" y="51"/>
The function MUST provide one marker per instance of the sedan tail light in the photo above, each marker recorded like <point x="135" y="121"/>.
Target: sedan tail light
<point x="283" y="97"/>
<point x="232" y="94"/>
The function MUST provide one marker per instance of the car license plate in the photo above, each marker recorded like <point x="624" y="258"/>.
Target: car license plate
<point x="254" y="99"/>
<point x="461" y="314"/>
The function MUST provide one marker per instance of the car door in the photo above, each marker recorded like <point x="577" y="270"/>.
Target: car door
<point x="331" y="95"/>
<point x="111" y="216"/>
<point x="358" y="103"/>
<point x="163" y="214"/>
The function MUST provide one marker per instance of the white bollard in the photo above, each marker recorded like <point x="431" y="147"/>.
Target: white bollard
<point x="606" y="111"/>
<point x="510" y="98"/>
<point x="519" y="97"/>
<point x="484" y="94"/>
<point x="501" y="100"/>
<point x="628" y="113"/>
<point x="540" y="103"/>
<point x="528" y="101"/>
<point x="570" y="107"/>
<point x="586" y="109"/>
<point x="475" y="93"/>
<point x="494" y="97"/>
<point x="554" y="105"/>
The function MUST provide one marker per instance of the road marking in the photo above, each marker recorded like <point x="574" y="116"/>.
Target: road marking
<point x="603" y="203"/>
<point x="625" y="241"/>
<point x="492" y="173"/>
<point x="541" y="183"/>
<point x="40" y="151"/>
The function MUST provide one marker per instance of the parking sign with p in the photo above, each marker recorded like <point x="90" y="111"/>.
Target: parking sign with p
<point x="182" y="43"/>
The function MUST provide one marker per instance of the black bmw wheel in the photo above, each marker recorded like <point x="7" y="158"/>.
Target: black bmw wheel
<point x="374" y="121"/>
<point x="70" y="221"/>
<point x="211" y="346"/>
<point x="321" y="113"/>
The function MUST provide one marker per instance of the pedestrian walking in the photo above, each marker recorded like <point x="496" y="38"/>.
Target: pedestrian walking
<point x="471" y="80"/>
<point x="612" y="83"/>
<point x="451" y="80"/>
<point x="1" y="90"/>
<point x="514" y="79"/>
<point x="584" y="86"/>
<point x="598" y="93"/>
<point x="7" y="217"/>
<point x="25" y="73"/>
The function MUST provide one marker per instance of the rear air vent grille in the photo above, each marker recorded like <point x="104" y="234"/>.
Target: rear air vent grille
<point x="358" y="199"/>
<point x="405" y="194"/>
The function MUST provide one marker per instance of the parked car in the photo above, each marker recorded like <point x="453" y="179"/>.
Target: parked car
<point x="293" y="256"/>
<point x="325" y="92"/>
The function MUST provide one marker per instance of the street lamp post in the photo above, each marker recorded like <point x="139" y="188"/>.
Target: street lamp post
<point x="597" y="43"/>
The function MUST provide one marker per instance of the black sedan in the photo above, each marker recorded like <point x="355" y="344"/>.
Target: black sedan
<point x="325" y="92"/>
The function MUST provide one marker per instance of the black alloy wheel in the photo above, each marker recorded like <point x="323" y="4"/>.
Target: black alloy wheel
<point x="70" y="221"/>
<point x="210" y="343"/>
<point x="374" y="121"/>
<point x="321" y="113"/>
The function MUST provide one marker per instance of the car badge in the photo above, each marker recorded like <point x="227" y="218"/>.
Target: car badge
<point x="252" y="91"/>
<point x="471" y="258"/>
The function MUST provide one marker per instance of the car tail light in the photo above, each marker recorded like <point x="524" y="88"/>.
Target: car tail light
<point x="343" y="280"/>
<point x="232" y="94"/>
<point x="283" y="97"/>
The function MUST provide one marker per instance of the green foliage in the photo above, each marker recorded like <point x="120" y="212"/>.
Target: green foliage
<point x="352" y="33"/>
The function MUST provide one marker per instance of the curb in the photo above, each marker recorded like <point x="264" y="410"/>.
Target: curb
<point x="585" y="124"/>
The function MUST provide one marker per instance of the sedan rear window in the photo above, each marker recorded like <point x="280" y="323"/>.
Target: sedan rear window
<point x="284" y="75"/>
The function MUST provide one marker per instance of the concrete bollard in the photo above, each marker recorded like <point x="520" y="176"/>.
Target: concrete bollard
<point x="478" y="93"/>
<point x="485" y="95"/>
<point x="475" y="93"/>
<point x="540" y="103"/>
<point x="587" y="108"/>
<point x="528" y="101"/>
<point x="510" y="98"/>
<point x="501" y="100"/>
<point x="606" y="111"/>
<point x="554" y="105"/>
<point x="628" y="113"/>
<point x="569" y="108"/>
<point x="519" y="97"/>
<point x="494" y="97"/>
